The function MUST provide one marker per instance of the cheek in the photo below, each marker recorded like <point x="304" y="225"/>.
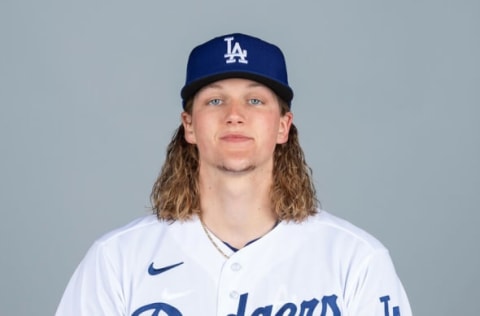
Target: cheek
<point x="270" y="128"/>
<point x="269" y="135"/>
<point x="201" y="131"/>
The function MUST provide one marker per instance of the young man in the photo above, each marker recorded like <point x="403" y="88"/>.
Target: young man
<point x="236" y="229"/>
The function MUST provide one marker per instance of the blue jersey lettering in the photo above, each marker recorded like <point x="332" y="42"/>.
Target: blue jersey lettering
<point x="396" y="309"/>
<point x="305" y="308"/>
<point x="155" y="309"/>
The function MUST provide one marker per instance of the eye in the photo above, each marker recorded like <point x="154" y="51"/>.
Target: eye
<point x="215" y="102"/>
<point x="255" y="101"/>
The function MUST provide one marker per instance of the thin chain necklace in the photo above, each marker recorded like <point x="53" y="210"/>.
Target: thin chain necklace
<point x="213" y="241"/>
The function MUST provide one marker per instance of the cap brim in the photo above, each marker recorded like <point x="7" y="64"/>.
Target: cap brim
<point x="284" y="92"/>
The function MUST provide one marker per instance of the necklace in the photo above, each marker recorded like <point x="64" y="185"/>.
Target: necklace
<point x="213" y="241"/>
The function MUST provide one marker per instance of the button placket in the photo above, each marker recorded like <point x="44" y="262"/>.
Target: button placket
<point x="232" y="279"/>
<point x="234" y="295"/>
<point x="236" y="267"/>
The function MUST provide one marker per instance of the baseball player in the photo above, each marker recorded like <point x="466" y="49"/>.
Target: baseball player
<point x="236" y="228"/>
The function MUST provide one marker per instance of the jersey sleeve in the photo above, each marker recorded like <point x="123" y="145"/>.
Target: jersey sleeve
<point x="375" y="289"/>
<point x="94" y="288"/>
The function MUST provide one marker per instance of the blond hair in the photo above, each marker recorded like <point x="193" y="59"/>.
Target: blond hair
<point x="175" y="194"/>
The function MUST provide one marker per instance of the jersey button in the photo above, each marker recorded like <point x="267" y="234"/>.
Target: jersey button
<point x="236" y="266"/>
<point x="234" y="295"/>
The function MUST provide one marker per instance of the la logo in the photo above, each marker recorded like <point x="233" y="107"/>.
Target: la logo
<point x="236" y="53"/>
<point x="396" y="309"/>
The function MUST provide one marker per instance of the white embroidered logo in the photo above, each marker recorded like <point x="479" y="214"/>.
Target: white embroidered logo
<point x="235" y="54"/>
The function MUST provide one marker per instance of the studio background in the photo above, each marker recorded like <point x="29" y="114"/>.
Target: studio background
<point x="387" y="97"/>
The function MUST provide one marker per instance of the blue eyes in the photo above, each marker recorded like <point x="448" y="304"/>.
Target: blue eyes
<point x="220" y="101"/>
<point x="255" y="102"/>
<point x="215" y="102"/>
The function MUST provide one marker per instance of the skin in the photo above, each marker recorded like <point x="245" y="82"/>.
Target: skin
<point x="236" y="124"/>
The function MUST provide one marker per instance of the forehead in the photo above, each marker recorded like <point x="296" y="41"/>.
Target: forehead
<point x="234" y="84"/>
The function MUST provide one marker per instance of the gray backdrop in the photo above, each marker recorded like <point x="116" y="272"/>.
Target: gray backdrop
<point x="387" y="104"/>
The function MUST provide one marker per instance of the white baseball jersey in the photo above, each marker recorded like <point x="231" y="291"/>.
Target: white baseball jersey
<point x="324" y="267"/>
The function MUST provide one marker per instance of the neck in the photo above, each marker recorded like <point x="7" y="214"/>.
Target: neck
<point x="237" y="208"/>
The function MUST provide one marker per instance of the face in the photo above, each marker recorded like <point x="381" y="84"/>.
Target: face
<point x="235" y="124"/>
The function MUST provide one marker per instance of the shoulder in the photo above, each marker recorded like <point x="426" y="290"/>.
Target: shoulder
<point x="139" y="235"/>
<point x="146" y="234"/>
<point x="328" y="229"/>
<point x="141" y="225"/>
<point x="342" y="227"/>
<point x="146" y="237"/>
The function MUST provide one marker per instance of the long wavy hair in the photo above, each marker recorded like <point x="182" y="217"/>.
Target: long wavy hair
<point x="175" y="194"/>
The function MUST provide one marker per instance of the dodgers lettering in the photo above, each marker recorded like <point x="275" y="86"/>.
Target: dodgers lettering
<point x="155" y="309"/>
<point x="306" y="308"/>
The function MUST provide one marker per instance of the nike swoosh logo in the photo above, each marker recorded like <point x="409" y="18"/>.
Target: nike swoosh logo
<point x="154" y="271"/>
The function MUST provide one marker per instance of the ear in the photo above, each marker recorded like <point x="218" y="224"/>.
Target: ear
<point x="284" y="127"/>
<point x="188" y="127"/>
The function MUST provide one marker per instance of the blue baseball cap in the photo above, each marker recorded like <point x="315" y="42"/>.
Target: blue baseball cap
<point x="237" y="56"/>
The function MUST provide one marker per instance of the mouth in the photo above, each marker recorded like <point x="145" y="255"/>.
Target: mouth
<point x="235" y="138"/>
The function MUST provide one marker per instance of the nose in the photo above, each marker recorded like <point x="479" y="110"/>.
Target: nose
<point x="235" y="112"/>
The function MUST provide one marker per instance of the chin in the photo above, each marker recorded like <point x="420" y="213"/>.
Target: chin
<point x="236" y="169"/>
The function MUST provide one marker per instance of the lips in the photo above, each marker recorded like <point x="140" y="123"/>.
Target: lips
<point x="235" y="138"/>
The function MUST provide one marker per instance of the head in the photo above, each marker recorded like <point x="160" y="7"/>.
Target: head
<point x="175" y="195"/>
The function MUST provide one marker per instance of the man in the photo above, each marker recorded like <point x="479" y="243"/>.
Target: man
<point x="237" y="230"/>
